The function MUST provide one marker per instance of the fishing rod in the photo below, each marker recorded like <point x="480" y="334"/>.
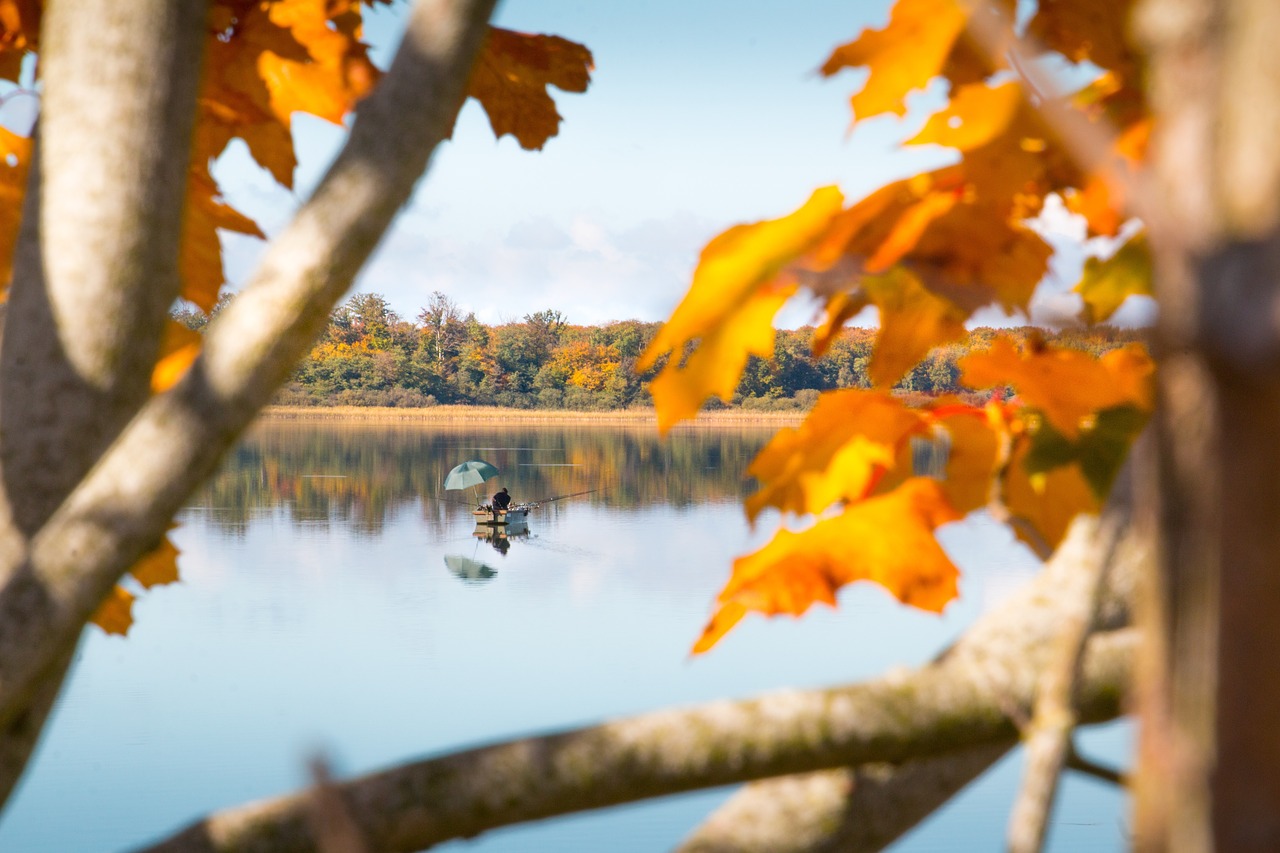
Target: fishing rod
<point x="563" y="497"/>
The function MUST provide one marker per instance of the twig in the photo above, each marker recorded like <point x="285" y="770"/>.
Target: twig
<point x="1091" y="144"/>
<point x="331" y="824"/>
<point x="1077" y="762"/>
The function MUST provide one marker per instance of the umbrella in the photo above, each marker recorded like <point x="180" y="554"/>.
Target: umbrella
<point x="473" y="472"/>
<point x="468" y="570"/>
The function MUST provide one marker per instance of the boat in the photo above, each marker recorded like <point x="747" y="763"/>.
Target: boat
<point x="490" y="516"/>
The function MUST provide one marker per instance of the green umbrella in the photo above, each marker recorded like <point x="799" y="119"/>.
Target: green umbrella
<point x="473" y="472"/>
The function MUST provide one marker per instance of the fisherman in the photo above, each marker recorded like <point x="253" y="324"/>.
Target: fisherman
<point x="502" y="500"/>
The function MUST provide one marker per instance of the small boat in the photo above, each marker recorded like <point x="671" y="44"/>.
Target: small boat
<point x="512" y="515"/>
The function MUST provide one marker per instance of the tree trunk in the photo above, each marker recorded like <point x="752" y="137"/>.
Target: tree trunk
<point x="1210" y="753"/>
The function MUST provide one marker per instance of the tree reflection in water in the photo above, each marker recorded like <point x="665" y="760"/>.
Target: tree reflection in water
<point x="359" y="475"/>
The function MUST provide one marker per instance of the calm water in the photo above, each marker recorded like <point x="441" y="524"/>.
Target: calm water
<point x="332" y="603"/>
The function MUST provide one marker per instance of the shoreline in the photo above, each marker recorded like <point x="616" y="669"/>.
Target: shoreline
<point x="496" y="415"/>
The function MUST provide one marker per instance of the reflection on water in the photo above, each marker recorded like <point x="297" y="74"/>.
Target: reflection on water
<point x="473" y="569"/>
<point x="330" y="601"/>
<point x="362" y="474"/>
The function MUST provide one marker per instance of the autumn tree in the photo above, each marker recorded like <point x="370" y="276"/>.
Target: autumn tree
<point x="109" y="418"/>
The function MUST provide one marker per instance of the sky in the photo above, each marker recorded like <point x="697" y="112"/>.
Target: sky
<point x="701" y="114"/>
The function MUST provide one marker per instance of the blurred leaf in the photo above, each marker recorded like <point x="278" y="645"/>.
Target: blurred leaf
<point x="1105" y="285"/>
<point x="888" y="540"/>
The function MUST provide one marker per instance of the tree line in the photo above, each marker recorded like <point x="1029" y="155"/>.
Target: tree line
<point x="368" y="355"/>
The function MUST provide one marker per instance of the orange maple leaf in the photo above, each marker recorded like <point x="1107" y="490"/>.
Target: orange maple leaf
<point x="846" y="441"/>
<point x="1043" y="505"/>
<point x="903" y="57"/>
<point x="887" y="539"/>
<point x="15" y="160"/>
<point x="511" y="77"/>
<point x="115" y="615"/>
<point x="158" y="566"/>
<point x="179" y="347"/>
<point x="913" y="320"/>
<point x="1067" y="385"/>
<point x="19" y="34"/>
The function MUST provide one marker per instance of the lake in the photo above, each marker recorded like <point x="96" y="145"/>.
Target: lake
<point x="335" y="600"/>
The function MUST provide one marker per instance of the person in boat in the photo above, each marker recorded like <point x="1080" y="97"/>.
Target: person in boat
<point x="502" y="500"/>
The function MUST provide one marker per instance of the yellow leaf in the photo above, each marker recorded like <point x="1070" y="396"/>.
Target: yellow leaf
<point x="1105" y="285"/>
<point x="716" y="365"/>
<point x="913" y="320"/>
<point x="730" y="306"/>
<point x="976" y="115"/>
<point x="888" y="540"/>
<point x="845" y="442"/>
<point x="178" y="349"/>
<point x="1067" y="385"/>
<point x="903" y="57"/>
<point x="115" y="615"/>
<point x="511" y="77"/>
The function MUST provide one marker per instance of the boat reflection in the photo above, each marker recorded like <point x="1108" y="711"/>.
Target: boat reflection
<point x="501" y="537"/>
<point x="471" y="570"/>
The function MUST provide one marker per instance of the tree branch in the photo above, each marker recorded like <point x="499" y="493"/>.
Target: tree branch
<point x="929" y="712"/>
<point x="958" y="702"/>
<point x="1047" y="740"/>
<point x="866" y="808"/>
<point x="123" y="505"/>
<point x="96" y="266"/>
<point x="849" y="810"/>
<point x="95" y="270"/>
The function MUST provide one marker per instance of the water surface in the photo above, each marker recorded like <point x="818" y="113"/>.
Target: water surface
<point x="335" y="600"/>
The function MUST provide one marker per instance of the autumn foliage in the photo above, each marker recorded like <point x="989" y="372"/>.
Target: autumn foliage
<point x="875" y="476"/>
<point x="265" y="61"/>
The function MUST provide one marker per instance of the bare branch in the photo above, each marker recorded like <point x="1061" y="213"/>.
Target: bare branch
<point x="1048" y="738"/>
<point x="1077" y="762"/>
<point x="866" y="808"/>
<point x="1090" y="143"/>
<point x="932" y="711"/>
<point x="956" y="703"/>
<point x="850" y="810"/>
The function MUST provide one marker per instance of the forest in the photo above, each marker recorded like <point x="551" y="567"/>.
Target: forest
<point x="368" y="355"/>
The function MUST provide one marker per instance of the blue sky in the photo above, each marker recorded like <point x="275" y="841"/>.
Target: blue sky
<point x="701" y="114"/>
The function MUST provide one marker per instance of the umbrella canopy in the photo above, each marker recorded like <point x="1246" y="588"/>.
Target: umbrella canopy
<point x="468" y="570"/>
<point x="473" y="472"/>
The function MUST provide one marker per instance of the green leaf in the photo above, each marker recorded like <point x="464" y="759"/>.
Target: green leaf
<point x="1100" y="450"/>
<point x="1106" y="284"/>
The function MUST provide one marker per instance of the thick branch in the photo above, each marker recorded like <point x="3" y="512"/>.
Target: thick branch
<point x="124" y="503"/>
<point x="95" y="269"/>
<point x="866" y="808"/>
<point x="850" y="810"/>
<point x="935" y="710"/>
<point x="964" y="699"/>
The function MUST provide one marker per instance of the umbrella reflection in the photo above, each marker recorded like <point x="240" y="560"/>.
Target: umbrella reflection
<point x="469" y="570"/>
